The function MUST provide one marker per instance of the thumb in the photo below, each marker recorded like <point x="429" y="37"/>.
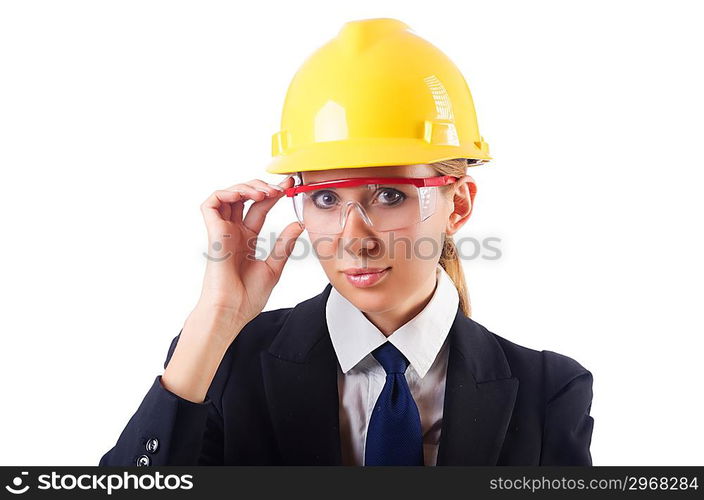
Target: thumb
<point x="284" y="247"/>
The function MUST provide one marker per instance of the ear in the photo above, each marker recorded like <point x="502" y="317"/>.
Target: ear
<point x="463" y="201"/>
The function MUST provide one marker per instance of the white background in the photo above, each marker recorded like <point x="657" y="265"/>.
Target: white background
<point x="117" y="119"/>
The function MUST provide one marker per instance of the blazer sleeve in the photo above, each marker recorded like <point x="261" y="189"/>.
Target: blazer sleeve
<point x="567" y="431"/>
<point x="170" y="430"/>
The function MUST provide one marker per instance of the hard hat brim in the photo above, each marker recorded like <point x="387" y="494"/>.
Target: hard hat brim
<point x="369" y="152"/>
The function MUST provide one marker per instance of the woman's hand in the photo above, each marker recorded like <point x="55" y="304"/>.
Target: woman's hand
<point x="236" y="285"/>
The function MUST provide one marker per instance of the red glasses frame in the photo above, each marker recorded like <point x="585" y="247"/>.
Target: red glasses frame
<point x="440" y="180"/>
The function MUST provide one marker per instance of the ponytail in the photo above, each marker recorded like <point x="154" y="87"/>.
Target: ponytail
<point x="450" y="262"/>
<point x="449" y="258"/>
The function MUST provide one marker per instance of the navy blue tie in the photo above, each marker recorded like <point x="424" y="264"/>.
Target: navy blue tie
<point x="394" y="435"/>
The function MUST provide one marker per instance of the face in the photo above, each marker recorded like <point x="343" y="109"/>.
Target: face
<point x="408" y="256"/>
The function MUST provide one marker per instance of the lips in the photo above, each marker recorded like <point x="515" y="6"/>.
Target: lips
<point x="363" y="270"/>
<point x="365" y="277"/>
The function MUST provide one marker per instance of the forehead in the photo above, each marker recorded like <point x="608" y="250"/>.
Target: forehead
<point x="419" y="170"/>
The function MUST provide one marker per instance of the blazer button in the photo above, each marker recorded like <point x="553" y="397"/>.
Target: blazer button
<point x="152" y="445"/>
<point x="143" y="460"/>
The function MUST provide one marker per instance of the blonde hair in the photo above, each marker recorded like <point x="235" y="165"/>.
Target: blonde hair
<point x="449" y="258"/>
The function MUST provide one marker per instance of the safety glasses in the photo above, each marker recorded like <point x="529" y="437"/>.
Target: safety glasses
<point x="384" y="203"/>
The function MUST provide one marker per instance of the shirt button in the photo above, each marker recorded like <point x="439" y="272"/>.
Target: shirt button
<point x="143" y="460"/>
<point x="152" y="445"/>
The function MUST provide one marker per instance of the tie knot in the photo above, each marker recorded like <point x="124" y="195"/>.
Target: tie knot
<point x="390" y="358"/>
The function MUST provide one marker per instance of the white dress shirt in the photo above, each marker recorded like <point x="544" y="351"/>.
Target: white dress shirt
<point x="423" y="340"/>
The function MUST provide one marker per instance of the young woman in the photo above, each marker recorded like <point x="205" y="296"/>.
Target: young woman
<point x="385" y="365"/>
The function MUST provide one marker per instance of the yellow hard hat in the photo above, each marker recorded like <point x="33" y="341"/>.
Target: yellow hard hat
<point x="376" y="95"/>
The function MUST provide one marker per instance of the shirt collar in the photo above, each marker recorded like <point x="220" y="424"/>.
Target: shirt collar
<point x="354" y="336"/>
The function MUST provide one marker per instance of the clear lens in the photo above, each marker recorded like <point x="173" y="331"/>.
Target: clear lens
<point x="384" y="207"/>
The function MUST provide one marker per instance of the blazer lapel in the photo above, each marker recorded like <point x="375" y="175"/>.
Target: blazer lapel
<point x="300" y="382"/>
<point x="480" y="394"/>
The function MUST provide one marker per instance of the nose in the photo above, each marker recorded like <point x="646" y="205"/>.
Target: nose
<point x="357" y="232"/>
<point x="352" y="215"/>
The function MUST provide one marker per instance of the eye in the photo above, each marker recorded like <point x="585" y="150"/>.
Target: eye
<point x="390" y="196"/>
<point x="323" y="198"/>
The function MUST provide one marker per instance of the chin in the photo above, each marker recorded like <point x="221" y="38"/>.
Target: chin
<point x="374" y="299"/>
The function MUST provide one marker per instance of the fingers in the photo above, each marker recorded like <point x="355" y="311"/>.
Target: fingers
<point x="258" y="185"/>
<point x="265" y="186"/>
<point x="264" y="196"/>
<point x="249" y="192"/>
<point x="256" y="215"/>
<point x="227" y="204"/>
<point x="283" y="248"/>
<point x="211" y="207"/>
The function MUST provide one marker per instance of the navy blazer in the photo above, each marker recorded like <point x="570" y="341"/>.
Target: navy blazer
<point x="274" y="401"/>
